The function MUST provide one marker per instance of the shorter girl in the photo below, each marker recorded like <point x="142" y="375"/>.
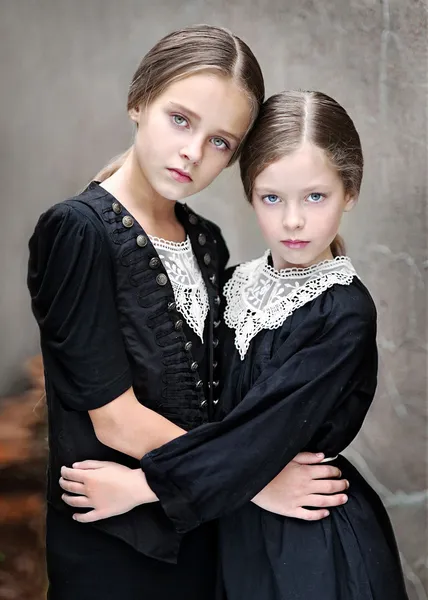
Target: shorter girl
<point x="300" y="371"/>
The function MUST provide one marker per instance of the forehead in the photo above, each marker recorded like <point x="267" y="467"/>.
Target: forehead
<point x="217" y="100"/>
<point x="302" y="168"/>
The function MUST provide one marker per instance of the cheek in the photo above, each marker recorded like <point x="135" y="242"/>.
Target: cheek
<point x="156" y="136"/>
<point x="329" y="222"/>
<point x="214" y="163"/>
<point x="266" y="220"/>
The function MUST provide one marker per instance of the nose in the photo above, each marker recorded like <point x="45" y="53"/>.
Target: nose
<point x="292" y="218"/>
<point x="193" y="151"/>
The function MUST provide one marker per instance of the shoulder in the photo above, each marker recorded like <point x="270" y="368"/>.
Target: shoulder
<point x="352" y="299"/>
<point x="67" y="219"/>
<point x="349" y="309"/>
<point x="67" y="233"/>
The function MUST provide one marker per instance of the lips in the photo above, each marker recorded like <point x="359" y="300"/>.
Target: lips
<point x="295" y="244"/>
<point x="181" y="176"/>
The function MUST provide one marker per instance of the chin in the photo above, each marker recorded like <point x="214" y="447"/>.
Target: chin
<point x="298" y="260"/>
<point x="172" y="194"/>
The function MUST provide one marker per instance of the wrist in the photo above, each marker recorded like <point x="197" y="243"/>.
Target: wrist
<point x="142" y="491"/>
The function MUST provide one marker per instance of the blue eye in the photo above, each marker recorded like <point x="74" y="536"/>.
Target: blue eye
<point x="220" y="143"/>
<point x="316" y="197"/>
<point x="271" y="199"/>
<point x="179" y="120"/>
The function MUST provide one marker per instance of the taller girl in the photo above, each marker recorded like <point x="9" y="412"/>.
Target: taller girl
<point x="120" y="327"/>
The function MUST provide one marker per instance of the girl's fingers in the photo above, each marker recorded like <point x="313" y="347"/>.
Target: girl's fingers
<point x="324" y="472"/>
<point x="319" y="500"/>
<point x="72" y="486"/>
<point x="308" y="458"/>
<point x="89" y="517"/>
<point x="90" y="464"/>
<point x="310" y="515"/>
<point x="73" y="474"/>
<point x="77" y="501"/>
<point x="328" y="486"/>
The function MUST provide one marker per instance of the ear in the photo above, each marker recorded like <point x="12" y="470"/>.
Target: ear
<point x="135" y="114"/>
<point x="350" y="201"/>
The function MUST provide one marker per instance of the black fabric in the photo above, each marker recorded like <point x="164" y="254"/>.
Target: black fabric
<point x="107" y="322"/>
<point x="104" y="568"/>
<point x="73" y="297"/>
<point x="305" y="386"/>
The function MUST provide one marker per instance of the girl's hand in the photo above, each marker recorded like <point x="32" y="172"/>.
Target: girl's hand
<point x="302" y="483"/>
<point x="108" y="488"/>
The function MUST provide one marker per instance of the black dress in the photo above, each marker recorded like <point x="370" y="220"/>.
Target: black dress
<point x="306" y="385"/>
<point x="108" y="321"/>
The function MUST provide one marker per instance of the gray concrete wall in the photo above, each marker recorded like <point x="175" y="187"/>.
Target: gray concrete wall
<point x="64" y="71"/>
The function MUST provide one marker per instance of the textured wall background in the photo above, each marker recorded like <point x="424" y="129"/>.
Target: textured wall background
<point x="65" y="67"/>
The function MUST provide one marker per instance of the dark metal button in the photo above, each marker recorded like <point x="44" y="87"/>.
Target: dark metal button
<point x="217" y="324"/>
<point x="207" y="259"/>
<point x="215" y="342"/>
<point x="188" y="346"/>
<point x="217" y="300"/>
<point x="202" y="239"/>
<point x="194" y="365"/>
<point x="178" y="325"/>
<point x="213" y="279"/>
<point x="116" y="208"/>
<point x="199" y="384"/>
<point x="215" y="401"/>
<point x="203" y="403"/>
<point x="193" y="219"/>
<point x="171" y="306"/>
<point x="215" y="364"/>
<point x="154" y="262"/>
<point x="215" y="383"/>
<point x="127" y="221"/>
<point x="161" y="279"/>
<point x="141" y="241"/>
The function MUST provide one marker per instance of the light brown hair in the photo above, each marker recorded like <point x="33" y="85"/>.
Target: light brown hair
<point x="288" y="119"/>
<point x="195" y="49"/>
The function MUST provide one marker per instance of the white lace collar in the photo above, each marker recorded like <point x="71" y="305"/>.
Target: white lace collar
<point x="259" y="297"/>
<point x="190" y="293"/>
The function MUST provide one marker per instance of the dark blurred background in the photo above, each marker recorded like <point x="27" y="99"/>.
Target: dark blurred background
<point x="64" y="71"/>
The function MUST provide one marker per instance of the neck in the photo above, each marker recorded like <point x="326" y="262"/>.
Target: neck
<point x="130" y="186"/>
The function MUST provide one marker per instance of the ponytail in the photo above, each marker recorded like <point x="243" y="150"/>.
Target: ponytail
<point x="113" y="166"/>
<point x="337" y="246"/>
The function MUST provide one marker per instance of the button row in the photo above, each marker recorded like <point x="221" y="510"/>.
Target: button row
<point x="162" y="279"/>
<point x="142" y="241"/>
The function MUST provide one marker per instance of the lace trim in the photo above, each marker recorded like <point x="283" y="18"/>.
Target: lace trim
<point x="162" y="244"/>
<point x="259" y="297"/>
<point x="190" y="293"/>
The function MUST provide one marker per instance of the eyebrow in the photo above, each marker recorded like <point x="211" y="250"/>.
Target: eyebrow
<point x="271" y="190"/>
<point x="181" y="108"/>
<point x="316" y="186"/>
<point x="265" y="190"/>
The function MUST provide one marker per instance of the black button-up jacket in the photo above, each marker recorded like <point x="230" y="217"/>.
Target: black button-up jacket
<point x="108" y="321"/>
